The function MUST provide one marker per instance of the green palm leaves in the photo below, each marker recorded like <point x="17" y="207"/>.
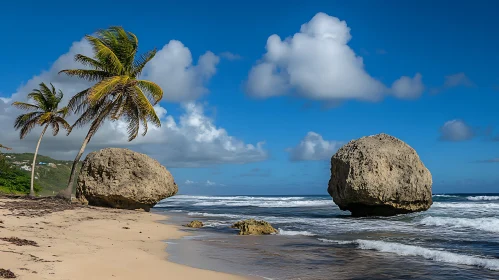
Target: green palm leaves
<point x="118" y="93"/>
<point x="44" y="111"/>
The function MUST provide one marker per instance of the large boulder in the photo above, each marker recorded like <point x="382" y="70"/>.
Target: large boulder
<point x="254" y="227"/>
<point x="379" y="175"/>
<point x="121" y="178"/>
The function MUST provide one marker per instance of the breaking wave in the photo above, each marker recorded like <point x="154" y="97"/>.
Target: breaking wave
<point x="292" y="232"/>
<point x="484" y="224"/>
<point x="430" y="254"/>
<point x="482" y="197"/>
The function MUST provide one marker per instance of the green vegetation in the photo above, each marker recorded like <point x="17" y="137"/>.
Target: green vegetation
<point x="44" y="112"/>
<point x="118" y="93"/>
<point x="51" y="177"/>
<point x="13" y="180"/>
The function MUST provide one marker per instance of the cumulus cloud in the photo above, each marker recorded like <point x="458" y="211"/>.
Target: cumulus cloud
<point x="313" y="147"/>
<point x="192" y="140"/>
<point x="189" y="182"/>
<point x="408" y="88"/>
<point x="459" y="79"/>
<point x="456" y="130"/>
<point x="230" y="56"/>
<point x="317" y="63"/>
<point x="172" y="68"/>
<point x="454" y="80"/>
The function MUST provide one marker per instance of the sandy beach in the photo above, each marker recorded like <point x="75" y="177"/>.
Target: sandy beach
<point x="88" y="243"/>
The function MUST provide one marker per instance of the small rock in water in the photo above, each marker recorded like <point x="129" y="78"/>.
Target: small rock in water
<point x="195" y="224"/>
<point x="254" y="227"/>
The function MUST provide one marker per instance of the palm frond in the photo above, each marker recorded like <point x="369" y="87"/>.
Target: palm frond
<point x="105" y="87"/>
<point x="27" y="127"/>
<point x="86" y="74"/>
<point x="23" y="119"/>
<point x="87" y="61"/>
<point x="55" y="128"/>
<point x="155" y="93"/>
<point x="146" y="107"/>
<point x="25" y="106"/>
<point x="63" y="122"/>
<point x="63" y="112"/>
<point x="4" y="147"/>
<point x="39" y="98"/>
<point x="103" y="53"/>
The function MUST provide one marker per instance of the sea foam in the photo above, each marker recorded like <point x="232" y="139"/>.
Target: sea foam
<point x="484" y="224"/>
<point x="430" y="254"/>
<point x="292" y="232"/>
<point x="482" y="197"/>
<point x="267" y="204"/>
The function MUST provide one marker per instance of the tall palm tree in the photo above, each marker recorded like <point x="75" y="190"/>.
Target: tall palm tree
<point x="45" y="112"/>
<point x="118" y="92"/>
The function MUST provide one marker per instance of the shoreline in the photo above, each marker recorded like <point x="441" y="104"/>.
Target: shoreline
<point x="90" y="243"/>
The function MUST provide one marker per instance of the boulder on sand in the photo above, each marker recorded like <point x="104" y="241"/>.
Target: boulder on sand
<point x="254" y="227"/>
<point x="195" y="224"/>
<point x="379" y="175"/>
<point x="121" y="178"/>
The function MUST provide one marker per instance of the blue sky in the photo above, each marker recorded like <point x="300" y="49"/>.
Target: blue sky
<point x="449" y="114"/>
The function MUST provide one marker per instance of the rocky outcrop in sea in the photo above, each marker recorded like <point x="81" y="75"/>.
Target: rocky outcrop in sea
<point x="379" y="175"/>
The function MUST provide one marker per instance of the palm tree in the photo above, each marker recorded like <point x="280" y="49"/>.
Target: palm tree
<point x="118" y="93"/>
<point x="44" y="112"/>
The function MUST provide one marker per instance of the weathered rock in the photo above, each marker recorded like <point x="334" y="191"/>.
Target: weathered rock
<point x="121" y="178"/>
<point x="195" y="224"/>
<point x="379" y="175"/>
<point x="254" y="227"/>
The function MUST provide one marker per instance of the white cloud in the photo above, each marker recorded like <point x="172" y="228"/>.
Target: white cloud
<point x="230" y="56"/>
<point x="210" y="183"/>
<point x="458" y="79"/>
<point x="317" y="63"/>
<point x="456" y="130"/>
<point x="189" y="182"/>
<point x="172" y="68"/>
<point x="313" y="147"/>
<point x="192" y="140"/>
<point x="454" y="80"/>
<point x="408" y="88"/>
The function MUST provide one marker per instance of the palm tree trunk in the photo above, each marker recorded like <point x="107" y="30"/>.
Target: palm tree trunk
<point x="69" y="190"/>
<point x="32" y="188"/>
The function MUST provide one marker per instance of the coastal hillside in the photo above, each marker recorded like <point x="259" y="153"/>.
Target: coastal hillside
<point x="51" y="175"/>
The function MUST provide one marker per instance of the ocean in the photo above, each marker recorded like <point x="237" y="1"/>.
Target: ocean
<point x="458" y="238"/>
